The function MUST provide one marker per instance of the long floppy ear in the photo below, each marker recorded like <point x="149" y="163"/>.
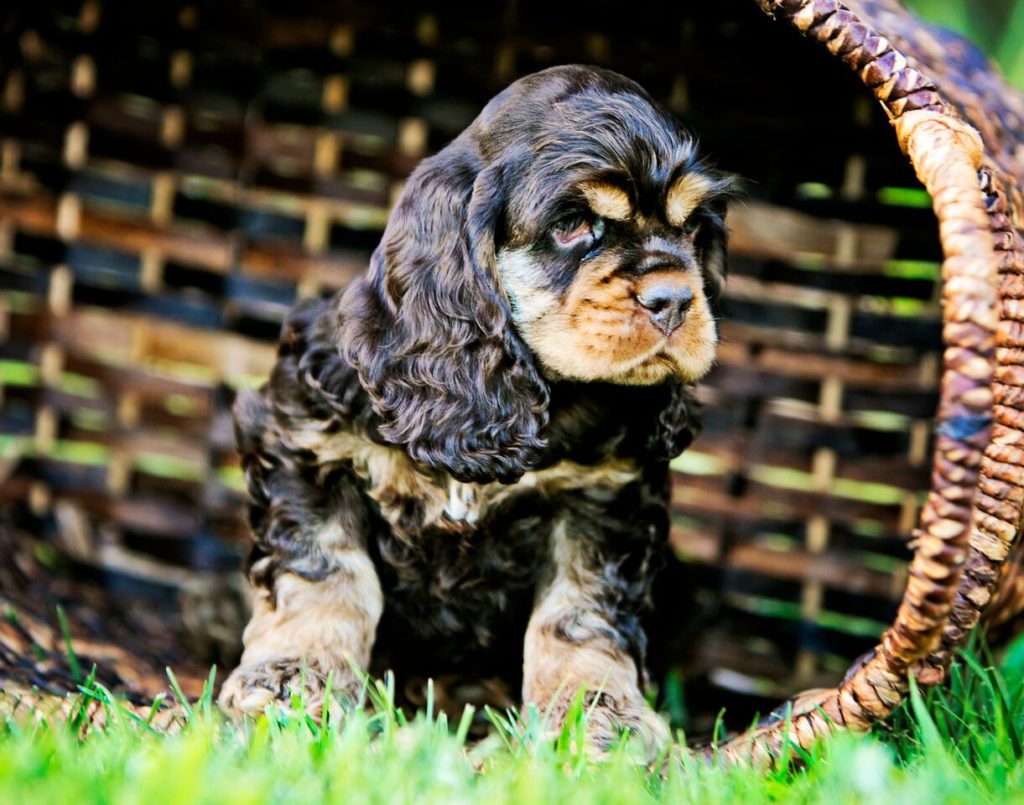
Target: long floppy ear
<point x="711" y="244"/>
<point x="678" y="422"/>
<point x="430" y="333"/>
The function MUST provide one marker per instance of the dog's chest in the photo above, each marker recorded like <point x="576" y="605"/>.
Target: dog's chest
<point x="462" y="560"/>
<point x="413" y="500"/>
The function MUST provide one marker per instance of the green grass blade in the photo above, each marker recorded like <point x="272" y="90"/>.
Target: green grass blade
<point x="65" y="630"/>
<point x="182" y="698"/>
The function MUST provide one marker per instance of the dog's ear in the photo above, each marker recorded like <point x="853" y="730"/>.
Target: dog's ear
<point x="678" y="422"/>
<point x="430" y="332"/>
<point x="711" y="244"/>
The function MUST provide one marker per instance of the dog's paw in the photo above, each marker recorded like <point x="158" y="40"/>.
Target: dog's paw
<point x="607" y="720"/>
<point x="293" y="685"/>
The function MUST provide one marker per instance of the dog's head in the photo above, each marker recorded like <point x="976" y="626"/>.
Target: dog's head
<point x="570" y="233"/>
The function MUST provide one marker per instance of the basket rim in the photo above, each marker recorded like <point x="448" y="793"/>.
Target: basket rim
<point x="950" y="160"/>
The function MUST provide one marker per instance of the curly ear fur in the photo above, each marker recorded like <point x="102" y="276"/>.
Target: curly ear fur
<point x="678" y="423"/>
<point x="430" y="333"/>
<point x="712" y="242"/>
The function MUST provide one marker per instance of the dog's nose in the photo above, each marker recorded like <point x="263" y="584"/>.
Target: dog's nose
<point x="667" y="303"/>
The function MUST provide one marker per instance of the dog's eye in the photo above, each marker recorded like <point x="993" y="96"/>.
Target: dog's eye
<point x="690" y="225"/>
<point x="576" y="229"/>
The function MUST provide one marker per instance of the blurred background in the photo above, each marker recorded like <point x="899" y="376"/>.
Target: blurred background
<point x="997" y="26"/>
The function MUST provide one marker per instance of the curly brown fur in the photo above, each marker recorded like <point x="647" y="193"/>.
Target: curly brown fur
<point x="470" y="445"/>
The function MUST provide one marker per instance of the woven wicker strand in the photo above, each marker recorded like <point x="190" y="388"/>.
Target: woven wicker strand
<point x="1001" y="487"/>
<point x="947" y="154"/>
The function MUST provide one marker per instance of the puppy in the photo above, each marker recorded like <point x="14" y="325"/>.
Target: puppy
<point x="460" y="463"/>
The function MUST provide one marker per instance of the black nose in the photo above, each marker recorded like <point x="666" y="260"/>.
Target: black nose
<point x="667" y="303"/>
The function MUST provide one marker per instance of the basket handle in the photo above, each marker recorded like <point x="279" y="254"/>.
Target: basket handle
<point x="947" y="155"/>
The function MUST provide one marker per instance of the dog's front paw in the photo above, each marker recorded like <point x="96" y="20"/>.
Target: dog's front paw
<point x="608" y="719"/>
<point x="285" y="682"/>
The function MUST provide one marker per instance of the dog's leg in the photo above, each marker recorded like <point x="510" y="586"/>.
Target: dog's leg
<point x="318" y="597"/>
<point x="304" y="630"/>
<point x="575" y="642"/>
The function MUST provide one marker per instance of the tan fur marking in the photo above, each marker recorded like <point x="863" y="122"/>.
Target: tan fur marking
<point x="554" y="668"/>
<point x="523" y="281"/>
<point x="332" y="621"/>
<point x="391" y="474"/>
<point x="305" y="630"/>
<point x="551" y="665"/>
<point x="599" y="332"/>
<point x="685" y="196"/>
<point x="392" y="477"/>
<point x="607" y="200"/>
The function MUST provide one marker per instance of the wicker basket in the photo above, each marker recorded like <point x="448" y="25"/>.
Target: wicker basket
<point x="173" y="177"/>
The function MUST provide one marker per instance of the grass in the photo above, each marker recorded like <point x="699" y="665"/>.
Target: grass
<point x="958" y="743"/>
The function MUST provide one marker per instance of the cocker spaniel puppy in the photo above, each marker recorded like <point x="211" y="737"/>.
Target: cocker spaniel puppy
<point x="460" y="463"/>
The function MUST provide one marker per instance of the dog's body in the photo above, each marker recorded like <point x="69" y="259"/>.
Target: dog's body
<point x="471" y="444"/>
